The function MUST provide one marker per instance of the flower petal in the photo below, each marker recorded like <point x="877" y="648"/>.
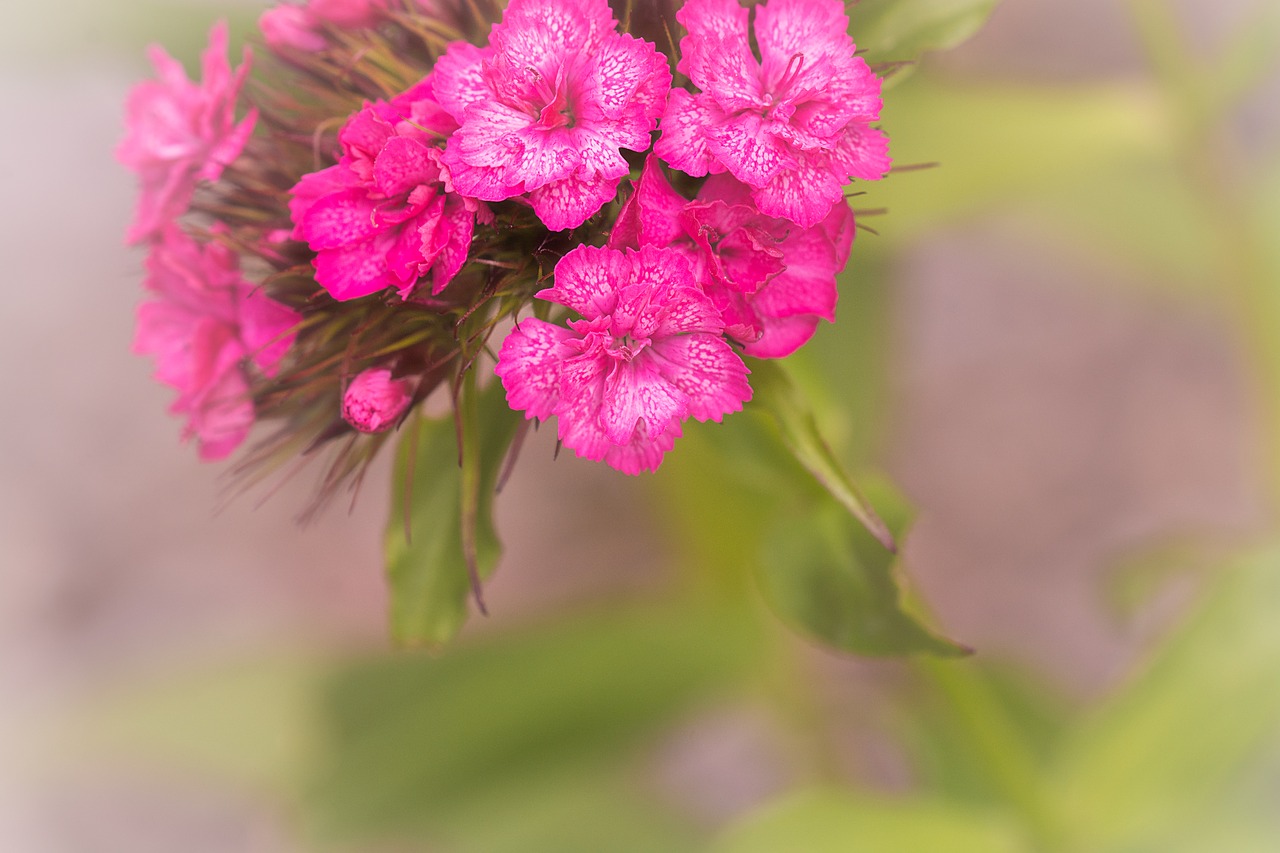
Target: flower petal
<point x="651" y="215"/>
<point x="636" y="391"/>
<point x="803" y="194"/>
<point x="266" y="328"/>
<point x="529" y="366"/>
<point x="745" y="146"/>
<point x="683" y="144"/>
<point x="570" y="202"/>
<point x="458" y="78"/>
<point x="782" y="336"/>
<point x="587" y="280"/>
<point x="707" y="371"/>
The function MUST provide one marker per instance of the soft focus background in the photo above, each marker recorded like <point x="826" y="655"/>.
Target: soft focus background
<point x="1062" y="348"/>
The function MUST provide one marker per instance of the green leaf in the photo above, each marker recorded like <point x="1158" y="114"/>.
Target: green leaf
<point x="835" y="821"/>
<point x="902" y="30"/>
<point x="775" y="393"/>
<point x="828" y="577"/>
<point x="982" y="731"/>
<point x="441" y="510"/>
<point x="533" y="739"/>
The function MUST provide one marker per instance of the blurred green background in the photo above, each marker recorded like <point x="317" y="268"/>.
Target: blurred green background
<point x="1061" y="347"/>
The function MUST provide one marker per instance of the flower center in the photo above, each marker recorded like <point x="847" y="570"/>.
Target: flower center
<point x="554" y="95"/>
<point x="779" y="101"/>
<point x="626" y="347"/>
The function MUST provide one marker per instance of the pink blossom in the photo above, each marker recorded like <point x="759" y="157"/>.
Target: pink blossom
<point x="302" y="27"/>
<point x="291" y="28"/>
<point x="386" y="214"/>
<point x="546" y="107"/>
<point x="646" y="354"/>
<point x="374" y="401"/>
<point x="203" y="326"/>
<point x="771" y="280"/>
<point x="178" y="133"/>
<point x="350" y="14"/>
<point x="795" y="124"/>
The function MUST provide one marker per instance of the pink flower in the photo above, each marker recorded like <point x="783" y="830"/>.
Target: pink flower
<point x="373" y="402"/>
<point x="647" y="354"/>
<point x="178" y="133"/>
<point x="301" y="27"/>
<point x="291" y="28"/>
<point x="794" y="125"/>
<point x="385" y="215"/>
<point x="204" y="324"/>
<point x="546" y="107"/>
<point x="771" y="280"/>
<point x="350" y="14"/>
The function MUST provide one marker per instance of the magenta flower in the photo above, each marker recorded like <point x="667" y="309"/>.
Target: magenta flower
<point x="386" y="214"/>
<point x="795" y="124"/>
<point x="302" y="27"/>
<point x="291" y="28"/>
<point x="205" y="323"/>
<point x="771" y="280"/>
<point x="351" y="14"/>
<point x="178" y="133"/>
<point x="646" y="354"/>
<point x="546" y="107"/>
<point x="374" y="401"/>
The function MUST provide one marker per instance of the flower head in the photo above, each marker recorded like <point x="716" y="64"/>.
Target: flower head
<point x="179" y="133"/>
<point x="385" y="215"/>
<point x="646" y="354"/>
<point x="203" y="325"/>
<point x="545" y="108"/>
<point x="771" y="280"/>
<point x="793" y="124"/>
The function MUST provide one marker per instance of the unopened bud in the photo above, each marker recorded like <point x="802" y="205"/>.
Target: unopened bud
<point x="374" y="401"/>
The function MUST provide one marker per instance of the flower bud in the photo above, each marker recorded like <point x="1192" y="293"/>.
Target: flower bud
<point x="374" y="401"/>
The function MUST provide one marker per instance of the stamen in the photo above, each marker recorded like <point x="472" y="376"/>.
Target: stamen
<point x="794" y="65"/>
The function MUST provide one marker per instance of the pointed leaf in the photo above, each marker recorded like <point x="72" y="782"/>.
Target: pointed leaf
<point x="521" y="739"/>
<point x="777" y="394"/>
<point x="830" y="579"/>
<point x="446" y="510"/>
<point x="902" y="30"/>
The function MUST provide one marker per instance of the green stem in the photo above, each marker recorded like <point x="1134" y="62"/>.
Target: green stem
<point x="1002" y="749"/>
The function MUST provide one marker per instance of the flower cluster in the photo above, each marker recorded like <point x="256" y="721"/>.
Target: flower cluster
<point x="407" y="179"/>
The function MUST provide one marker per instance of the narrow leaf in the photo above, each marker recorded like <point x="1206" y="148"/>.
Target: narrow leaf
<point x="440" y="529"/>
<point x="902" y="30"/>
<point x="827" y="577"/>
<point x="777" y="394"/>
<point x="520" y="723"/>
